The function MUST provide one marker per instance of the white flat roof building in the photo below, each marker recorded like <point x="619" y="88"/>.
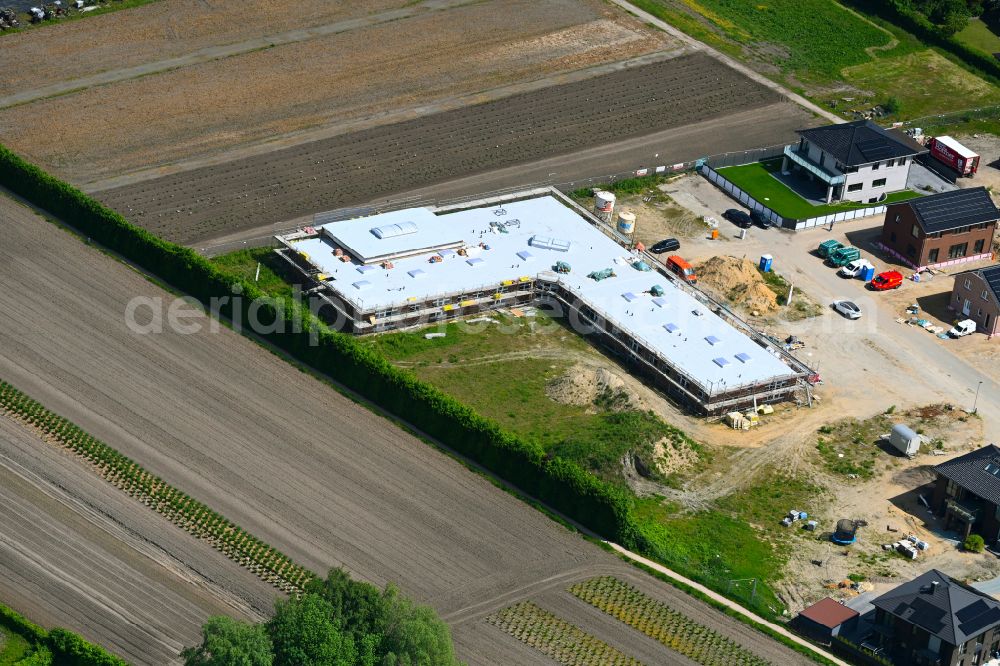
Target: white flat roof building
<point x="467" y="250"/>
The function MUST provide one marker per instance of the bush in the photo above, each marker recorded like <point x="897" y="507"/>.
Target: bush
<point x="974" y="543"/>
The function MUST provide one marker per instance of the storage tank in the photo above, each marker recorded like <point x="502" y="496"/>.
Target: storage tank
<point x="626" y="222"/>
<point x="604" y="205"/>
<point x="905" y="440"/>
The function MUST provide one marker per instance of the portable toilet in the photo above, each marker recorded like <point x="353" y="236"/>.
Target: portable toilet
<point x="905" y="440"/>
<point x="867" y="273"/>
<point x="765" y="263"/>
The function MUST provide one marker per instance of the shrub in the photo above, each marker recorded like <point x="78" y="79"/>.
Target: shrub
<point x="974" y="543"/>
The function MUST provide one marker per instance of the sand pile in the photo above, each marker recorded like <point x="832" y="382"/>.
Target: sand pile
<point x="739" y="282"/>
<point x="583" y="385"/>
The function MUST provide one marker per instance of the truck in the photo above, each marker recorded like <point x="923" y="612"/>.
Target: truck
<point x="855" y="268"/>
<point x="950" y="152"/>
<point x="826" y="247"/>
<point x="886" y="281"/>
<point x="963" y="328"/>
<point x="843" y="256"/>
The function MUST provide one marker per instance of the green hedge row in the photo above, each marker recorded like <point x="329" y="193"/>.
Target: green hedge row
<point x="268" y="563"/>
<point x="563" y="485"/>
<point x="899" y="13"/>
<point x="68" y="649"/>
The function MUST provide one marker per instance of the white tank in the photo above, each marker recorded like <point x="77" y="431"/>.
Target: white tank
<point x="604" y="205"/>
<point x="626" y="222"/>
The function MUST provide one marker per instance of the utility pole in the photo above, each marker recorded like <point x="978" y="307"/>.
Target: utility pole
<point x="791" y="290"/>
<point x="975" y="403"/>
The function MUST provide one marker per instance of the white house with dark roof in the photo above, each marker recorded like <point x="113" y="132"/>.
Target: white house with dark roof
<point x="857" y="161"/>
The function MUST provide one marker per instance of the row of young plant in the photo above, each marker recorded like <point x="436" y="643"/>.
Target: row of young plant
<point x="57" y="646"/>
<point x="556" y="638"/>
<point x="184" y="511"/>
<point x="661" y="623"/>
<point x="565" y="486"/>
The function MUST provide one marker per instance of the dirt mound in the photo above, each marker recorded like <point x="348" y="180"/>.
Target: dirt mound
<point x="585" y="385"/>
<point x="739" y="282"/>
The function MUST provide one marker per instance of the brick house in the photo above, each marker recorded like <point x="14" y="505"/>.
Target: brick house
<point x="967" y="493"/>
<point x="857" y="161"/>
<point x="934" y="620"/>
<point x="976" y="296"/>
<point x="941" y="229"/>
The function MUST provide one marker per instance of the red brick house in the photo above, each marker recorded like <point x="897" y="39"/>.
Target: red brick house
<point x="941" y="229"/>
<point x="976" y="296"/>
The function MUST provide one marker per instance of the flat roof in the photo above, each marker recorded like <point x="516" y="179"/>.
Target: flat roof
<point x="537" y="233"/>
<point x="372" y="239"/>
<point x="829" y="613"/>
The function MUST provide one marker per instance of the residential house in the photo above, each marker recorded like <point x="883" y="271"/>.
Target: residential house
<point x="934" y="620"/>
<point x="941" y="229"/>
<point x="976" y="296"/>
<point x="857" y="161"/>
<point x="825" y="619"/>
<point x="967" y="493"/>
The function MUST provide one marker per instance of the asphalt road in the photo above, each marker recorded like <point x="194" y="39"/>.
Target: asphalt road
<point x="324" y="479"/>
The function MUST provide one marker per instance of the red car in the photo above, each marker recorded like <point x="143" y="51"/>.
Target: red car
<point x="887" y="280"/>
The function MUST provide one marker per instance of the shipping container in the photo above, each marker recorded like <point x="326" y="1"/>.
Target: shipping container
<point x="948" y="151"/>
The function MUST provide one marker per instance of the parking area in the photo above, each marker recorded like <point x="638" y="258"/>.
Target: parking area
<point x="873" y="362"/>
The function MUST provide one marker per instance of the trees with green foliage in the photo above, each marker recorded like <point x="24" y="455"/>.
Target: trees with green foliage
<point x="336" y="622"/>
<point x="228" y="642"/>
<point x="974" y="543"/>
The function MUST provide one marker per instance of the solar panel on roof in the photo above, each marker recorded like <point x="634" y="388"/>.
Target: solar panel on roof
<point x="992" y="277"/>
<point x="875" y="149"/>
<point x="977" y="624"/>
<point x="971" y="611"/>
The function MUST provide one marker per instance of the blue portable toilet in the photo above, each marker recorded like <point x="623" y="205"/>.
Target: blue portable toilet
<point x="867" y="274"/>
<point x="765" y="263"/>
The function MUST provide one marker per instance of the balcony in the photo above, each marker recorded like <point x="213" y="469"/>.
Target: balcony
<point x="824" y="174"/>
<point x="966" y="512"/>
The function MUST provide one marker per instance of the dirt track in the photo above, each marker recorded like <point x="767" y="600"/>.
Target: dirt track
<point x="286" y="457"/>
<point x="357" y="167"/>
<point x="104" y="565"/>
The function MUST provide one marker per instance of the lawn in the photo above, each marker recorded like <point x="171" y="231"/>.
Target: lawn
<point x="13" y="648"/>
<point x="756" y="180"/>
<point x="244" y="263"/>
<point x="979" y="36"/>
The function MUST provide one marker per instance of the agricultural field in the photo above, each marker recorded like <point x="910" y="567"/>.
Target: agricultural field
<point x="833" y="54"/>
<point x="332" y="68"/>
<point x="284" y="455"/>
<point x="366" y="165"/>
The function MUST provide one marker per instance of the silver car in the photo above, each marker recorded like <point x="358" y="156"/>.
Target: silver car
<point x="847" y="308"/>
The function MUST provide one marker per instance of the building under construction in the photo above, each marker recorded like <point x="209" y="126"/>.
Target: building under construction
<point x="419" y="266"/>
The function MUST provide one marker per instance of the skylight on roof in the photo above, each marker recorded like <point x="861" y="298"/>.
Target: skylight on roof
<point x="365" y="269"/>
<point x="394" y="230"/>
<point x="361" y="285"/>
<point x="474" y="261"/>
<point x="721" y="362"/>
<point x="417" y="273"/>
<point x="660" y="301"/>
<point x="712" y="340"/>
<point x="524" y="255"/>
<point x="743" y="357"/>
<point x="629" y="296"/>
<point x="671" y="327"/>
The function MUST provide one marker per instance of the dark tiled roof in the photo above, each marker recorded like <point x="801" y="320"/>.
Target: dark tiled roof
<point x="977" y="472"/>
<point x="950" y="210"/>
<point x="861" y="142"/>
<point x="829" y="613"/>
<point x="949" y="610"/>
<point x="990" y="275"/>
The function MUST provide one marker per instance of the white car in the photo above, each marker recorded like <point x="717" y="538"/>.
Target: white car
<point x="963" y="328"/>
<point x="855" y="268"/>
<point x="847" y="308"/>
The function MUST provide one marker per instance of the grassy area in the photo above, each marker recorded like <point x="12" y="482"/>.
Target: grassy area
<point x="978" y="35"/>
<point x="13" y="648"/>
<point x="757" y="180"/>
<point x="943" y="85"/>
<point x="244" y="263"/>
<point x="103" y="7"/>
<point x="803" y="307"/>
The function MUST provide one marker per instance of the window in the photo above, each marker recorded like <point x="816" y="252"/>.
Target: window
<point x="910" y="250"/>
<point x="978" y="247"/>
<point x="952" y="489"/>
<point x="959" y="250"/>
<point x="855" y="187"/>
<point x="898" y="217"/>
<point x="986" y="295"/>
<point x="968" y="283"/>
<point x="878" y="183"/>
<point x="915" y="231"/>
<point x="932" y="256"/>
<point x="875" y="166"/>
<point x="961" y="230"/>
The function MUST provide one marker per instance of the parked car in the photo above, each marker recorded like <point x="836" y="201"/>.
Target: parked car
<point x="761" y="220"/>
<point x="963" y="328"/>
<point x="849" y="309"/>
<point x="739" y="218"/>
<point x="678" y="265"/>
<point x="843" y="256"/>
<point x="666" y="245"/>
<point x="855" y="268"/>
<point x="887" y="280"/>
<point x="826" y="247"/>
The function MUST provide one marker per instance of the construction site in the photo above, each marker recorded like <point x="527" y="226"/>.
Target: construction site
<point x="413" y="267"/>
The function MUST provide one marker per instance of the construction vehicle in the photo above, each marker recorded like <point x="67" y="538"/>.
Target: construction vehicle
<point x="843" y="256"/>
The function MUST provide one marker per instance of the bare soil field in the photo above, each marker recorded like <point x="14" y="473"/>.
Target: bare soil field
<point x="78" y="553"/>
<point x="161" y="113"/>
<point x="363" y="165"/>
<point x="285" y="456"/>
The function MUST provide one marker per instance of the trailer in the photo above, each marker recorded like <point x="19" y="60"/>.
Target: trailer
<point x="948" y="151"/>
<point x="905" y="440"/>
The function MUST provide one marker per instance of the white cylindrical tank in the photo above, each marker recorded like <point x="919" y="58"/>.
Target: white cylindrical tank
<point x="626" y="222"/>
<point x="604" y="205"/>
